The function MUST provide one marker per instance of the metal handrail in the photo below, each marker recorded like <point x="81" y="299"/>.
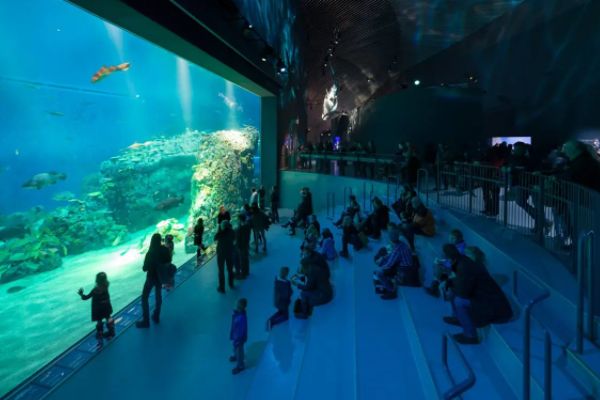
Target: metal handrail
<point x="584" y="239"/>
<point x="527" y="341"/>
<point x="330" y="204"/>
<point x="468" y="382"/>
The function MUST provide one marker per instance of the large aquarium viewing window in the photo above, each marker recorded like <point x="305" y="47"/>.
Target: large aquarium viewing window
<point x="106" y="139"/>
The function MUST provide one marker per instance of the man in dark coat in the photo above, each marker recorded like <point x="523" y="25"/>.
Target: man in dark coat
<point x="225" y="238"/>
<point x="242" y="246"/>
<point x="478" y="300"/>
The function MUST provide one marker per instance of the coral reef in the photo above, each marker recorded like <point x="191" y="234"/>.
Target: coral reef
<point x="223" y="175"/>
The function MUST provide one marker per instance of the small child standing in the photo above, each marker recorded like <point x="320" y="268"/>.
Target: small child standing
<point x="282" y="298"/>
<point x="101" y="307"/>
<point x="239" y="335"/>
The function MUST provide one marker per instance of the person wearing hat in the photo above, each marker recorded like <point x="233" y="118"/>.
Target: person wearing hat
<point x="225" y="238"/>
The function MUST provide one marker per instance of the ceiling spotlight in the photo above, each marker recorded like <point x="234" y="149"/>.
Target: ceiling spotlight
<point x="266" y="53"/>
<point x="280" y="66"/>
<point x="417" y="82"/>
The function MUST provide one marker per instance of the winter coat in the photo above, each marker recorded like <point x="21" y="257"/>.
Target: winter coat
<point x="225" y="239"/>
<point x="274" y="198"/>
<point x="423" y="219"/>
<point x="260" y="221"/>
<point x="154" y="261"/>
<point x="239" y="328"/>
<point x="382" y="216"/>
<point x="101" y="307"/>
<point x="242" y="236"/>
<point x="282" y="294"/>
<point x="328" y="249"/>
<point x="304" y="209"/>
<point x="317" y="282"/>
<point x="473" y="282"/>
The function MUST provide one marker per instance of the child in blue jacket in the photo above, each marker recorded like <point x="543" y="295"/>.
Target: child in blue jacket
<point x="239" y="335"/>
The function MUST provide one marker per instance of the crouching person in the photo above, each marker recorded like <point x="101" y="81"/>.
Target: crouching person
<point x="390" y="264"/>
<point x="315" y="289"/>
<point x="282" y="298"/>
<point x="477" y="300"/>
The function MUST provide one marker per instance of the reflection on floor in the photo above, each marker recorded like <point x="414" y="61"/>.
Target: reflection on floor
<point x="354" y="347"/>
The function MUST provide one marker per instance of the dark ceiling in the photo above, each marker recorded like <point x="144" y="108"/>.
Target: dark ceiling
<point x="378" y="39"/>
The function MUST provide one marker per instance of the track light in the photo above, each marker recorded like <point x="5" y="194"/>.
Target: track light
<point x="266" y="53"/>
<point x="417" y="82"/>
<point x="280" y="66"/>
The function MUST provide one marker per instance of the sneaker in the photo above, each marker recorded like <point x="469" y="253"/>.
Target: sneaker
<point x="237" y="370"/>
<point x="142" y="324"/>
<point x="462" y="339"/>
<point x="220" y="290"/>
<point x="452" y="321"/>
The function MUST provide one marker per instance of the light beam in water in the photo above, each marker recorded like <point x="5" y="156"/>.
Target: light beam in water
<point x="184" y="84"/>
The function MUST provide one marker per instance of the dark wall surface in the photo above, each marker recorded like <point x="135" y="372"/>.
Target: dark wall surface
<point x="421" y="116"/>
<point x="537" y="67"/>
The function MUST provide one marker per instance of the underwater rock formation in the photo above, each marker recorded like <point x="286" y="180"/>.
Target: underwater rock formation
<point x="150" y="181"/>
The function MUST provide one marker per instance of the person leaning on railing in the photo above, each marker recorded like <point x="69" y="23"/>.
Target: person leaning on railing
<point x="583" y="166"/>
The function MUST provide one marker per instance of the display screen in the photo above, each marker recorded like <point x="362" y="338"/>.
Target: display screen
<point x="511" y="139"/>
<point x="106" y="139"/>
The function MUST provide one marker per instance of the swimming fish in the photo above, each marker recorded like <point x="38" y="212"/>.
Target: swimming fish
<point x="137" y="145"/>
<point x="231" y="104"/>
<point x="56" y="113"/>
<point x="169" y="202"/>
<point x="105" y="71"/>
<point x="44" y="179"/>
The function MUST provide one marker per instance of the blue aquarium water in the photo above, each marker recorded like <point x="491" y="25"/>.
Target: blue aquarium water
<point x="106" y="139"/>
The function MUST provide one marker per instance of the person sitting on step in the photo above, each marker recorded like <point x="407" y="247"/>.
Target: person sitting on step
<point x="422" y="223"/>
<point x="351" y="211"/>
<point x="476" y="298"/>
<point x="442" y="268"/>
<point x="390" y="263"/>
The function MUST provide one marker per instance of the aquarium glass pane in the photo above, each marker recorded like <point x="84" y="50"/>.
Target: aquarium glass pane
<point x="106" y="138"/>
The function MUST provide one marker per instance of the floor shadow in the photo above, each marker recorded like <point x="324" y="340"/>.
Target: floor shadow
<point x="254" y="351"/>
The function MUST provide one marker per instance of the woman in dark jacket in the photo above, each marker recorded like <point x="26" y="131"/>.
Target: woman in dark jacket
<point x="157" y="258"/>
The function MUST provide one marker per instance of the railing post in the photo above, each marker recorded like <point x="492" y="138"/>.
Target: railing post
<point x="540" y="213"/>
<point x="505" y="217"/>
<point x="547" y="366"/>
<point x="590" y="277"/>
<point x="526" y="354"/>
<point x="580" y="294"/>
<point x="469" y="170"/>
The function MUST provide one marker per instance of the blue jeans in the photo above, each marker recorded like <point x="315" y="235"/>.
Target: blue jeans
<point x="460" y="307"/>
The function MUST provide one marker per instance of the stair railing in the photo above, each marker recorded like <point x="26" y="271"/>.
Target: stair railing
<point x="584" y="269"/>
<point x="527" y="343"/>
<point x="460" y="387"/>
